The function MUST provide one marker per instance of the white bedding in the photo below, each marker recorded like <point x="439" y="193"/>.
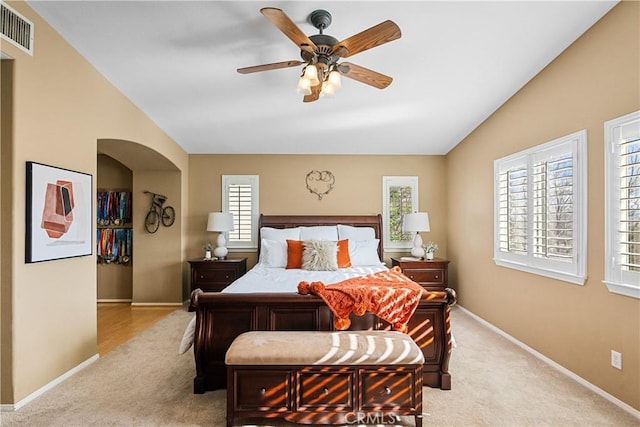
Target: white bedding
<point x="270" y="279"/>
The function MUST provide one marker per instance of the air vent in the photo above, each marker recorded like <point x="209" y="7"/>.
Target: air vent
<point x="16" y="29"/>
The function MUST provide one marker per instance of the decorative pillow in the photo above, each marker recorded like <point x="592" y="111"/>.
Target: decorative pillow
<point x="356" y="233"/>
<point x="320" y="255"/>
<point x="320" y="232"/>
<point x="294" y="253"/>
<point x="187" y="337"/>
<point x="280" y="234"/>
<point x="344" y="260"/>
<point x="273" y="253"/>
<point x="364" y="252"/>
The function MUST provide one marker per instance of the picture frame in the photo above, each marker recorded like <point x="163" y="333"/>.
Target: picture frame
<point x="58" y="214"/>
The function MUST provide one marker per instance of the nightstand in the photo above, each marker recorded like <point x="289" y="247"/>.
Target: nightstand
<point x="214" y="276"/>
<point x="431" y="274"/>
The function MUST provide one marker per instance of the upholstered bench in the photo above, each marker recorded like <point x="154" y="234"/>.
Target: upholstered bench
<point x="349" y="377"/>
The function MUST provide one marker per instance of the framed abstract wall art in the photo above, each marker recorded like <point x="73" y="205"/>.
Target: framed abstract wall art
<point x="59" y="213"/>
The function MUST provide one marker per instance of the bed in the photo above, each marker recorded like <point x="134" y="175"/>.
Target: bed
<point x="221" y="317"/>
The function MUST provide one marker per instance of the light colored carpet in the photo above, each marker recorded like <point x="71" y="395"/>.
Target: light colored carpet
<point x="145" y="382"/>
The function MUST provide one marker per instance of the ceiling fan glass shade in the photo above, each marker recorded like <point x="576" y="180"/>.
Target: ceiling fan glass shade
<point x="311" y="73"/>
<point x="328" y="88"/>
<point x="335" y="79"/>
<point x="304" y="86"/>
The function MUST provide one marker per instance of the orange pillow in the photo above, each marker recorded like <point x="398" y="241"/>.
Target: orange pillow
<point x="344" y="260"/>
<point x="294" y="253"/>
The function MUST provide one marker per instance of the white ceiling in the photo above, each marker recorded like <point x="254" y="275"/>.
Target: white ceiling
<point x="454" y="65"/>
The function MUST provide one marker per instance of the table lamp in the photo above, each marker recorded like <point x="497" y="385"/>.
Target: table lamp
<point x="220" y="222"/>
<point x="416" y="222"/>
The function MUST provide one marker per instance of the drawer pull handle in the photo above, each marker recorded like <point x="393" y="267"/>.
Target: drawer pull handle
<point x="263" y="390"/>
<point x="387" y="390"/>
<point x="202" y="276"/>
<point x="436" y="276"/>
<point x="227" y="276"/>
<point x="325" y="391"/>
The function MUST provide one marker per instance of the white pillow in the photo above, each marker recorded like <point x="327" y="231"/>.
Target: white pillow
<point x="320" y="232"/>
<point x="355" y="233"/>
<point x="364" y="252"/>
<point x="273" y="253"/>
<point x="320" y="255"/>
<point x="187" y="337"/>
<point x="280" y="234"/>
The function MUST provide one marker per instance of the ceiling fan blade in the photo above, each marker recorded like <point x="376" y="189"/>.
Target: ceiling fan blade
<point x="289" y="28"/>
<point x="375" y="36"/>
<point x="266" y="67"/>
<point x="315" y="93"/>
<point x="364" y="75"/>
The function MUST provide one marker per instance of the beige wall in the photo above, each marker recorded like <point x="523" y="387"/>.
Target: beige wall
<point x="61" y="107"/>
<point x="594" y="80"/>
<point x="357" y="191"/>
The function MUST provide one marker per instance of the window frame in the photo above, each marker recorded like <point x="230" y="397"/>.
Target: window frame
<point x="575" y="271"/>
<point x="253" y="180"/>
<point x="387" y="183"/>
<point x="615" y="278"/>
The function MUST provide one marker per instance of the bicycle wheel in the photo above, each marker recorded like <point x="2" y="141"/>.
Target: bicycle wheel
<point x="168" y="216"/>
<point x="152" y="222"/>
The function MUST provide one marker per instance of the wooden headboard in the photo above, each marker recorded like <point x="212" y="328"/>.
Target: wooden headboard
<point x="290" y="221"/>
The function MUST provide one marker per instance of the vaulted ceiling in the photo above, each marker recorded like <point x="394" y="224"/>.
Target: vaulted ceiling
<point x="454" y="65"/>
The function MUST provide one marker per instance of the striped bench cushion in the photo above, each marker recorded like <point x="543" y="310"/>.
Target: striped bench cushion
<point x="324" y="348"/>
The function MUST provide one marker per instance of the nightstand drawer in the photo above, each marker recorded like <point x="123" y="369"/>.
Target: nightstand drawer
<point x="214" y="276"/>
<point x="219" y="276"/>
<point x="425" y="275"/>
<point x="430" y="274"/>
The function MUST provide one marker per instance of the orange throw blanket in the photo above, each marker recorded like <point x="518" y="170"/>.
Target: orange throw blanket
<point x="389" y="294"/>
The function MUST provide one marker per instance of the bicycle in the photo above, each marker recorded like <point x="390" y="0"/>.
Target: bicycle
<point x="157" y="213"/>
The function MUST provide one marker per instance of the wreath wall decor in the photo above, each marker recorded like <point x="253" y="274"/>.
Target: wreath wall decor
<point x="320" y="182"/>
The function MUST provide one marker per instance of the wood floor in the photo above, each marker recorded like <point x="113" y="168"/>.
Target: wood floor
<point x="119" y="322"/>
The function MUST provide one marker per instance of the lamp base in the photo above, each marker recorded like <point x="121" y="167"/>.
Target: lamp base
<point x="221" y="251"/>
<point x="417" y="250"/>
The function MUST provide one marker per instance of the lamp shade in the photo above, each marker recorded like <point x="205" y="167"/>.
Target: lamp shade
<point x="418" y="221"/>
<point x="220" y="221"/>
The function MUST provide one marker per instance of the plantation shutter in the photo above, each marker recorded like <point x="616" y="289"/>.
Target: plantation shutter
<point x="513" y="208"/>
<point x="629" y="193"/>
<point x="240" y="197"/>
<point x="552" y="222"/>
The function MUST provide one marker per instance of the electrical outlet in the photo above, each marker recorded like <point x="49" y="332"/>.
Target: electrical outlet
<point x="616" y="359"/>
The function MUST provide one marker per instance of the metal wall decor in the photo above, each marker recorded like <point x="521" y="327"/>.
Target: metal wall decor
<point x="320" y="182"/>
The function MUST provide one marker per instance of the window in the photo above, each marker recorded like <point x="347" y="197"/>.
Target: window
<point x="240" y="197"/>
<point x="622" y="205"/>
<point x="540" y="209"/>
<point x="400" y="196"/>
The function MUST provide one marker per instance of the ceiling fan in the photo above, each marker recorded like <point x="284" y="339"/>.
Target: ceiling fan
<point x="320" y="53"/>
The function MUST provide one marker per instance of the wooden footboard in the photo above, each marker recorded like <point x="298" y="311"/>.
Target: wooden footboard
<point x="221" y="317"/>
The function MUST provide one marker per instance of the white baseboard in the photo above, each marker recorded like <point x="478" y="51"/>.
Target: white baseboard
<point x="49" y="386"/>
<point x="114" y="300"/>
<point x="156" y="304"/>
<point x="628" y="408"/>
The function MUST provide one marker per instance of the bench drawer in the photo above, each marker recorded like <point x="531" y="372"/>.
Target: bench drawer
<point x="326" y="390"/>
<point x="388" y="390"/>
<point x="263" y="390"/>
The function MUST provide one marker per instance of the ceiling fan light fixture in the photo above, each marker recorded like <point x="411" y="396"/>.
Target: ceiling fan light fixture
<point x="327" y="88"/>
<point x="304" y="86"/>
<point x="311" y="74"/>
<point x="334" y="78"/>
